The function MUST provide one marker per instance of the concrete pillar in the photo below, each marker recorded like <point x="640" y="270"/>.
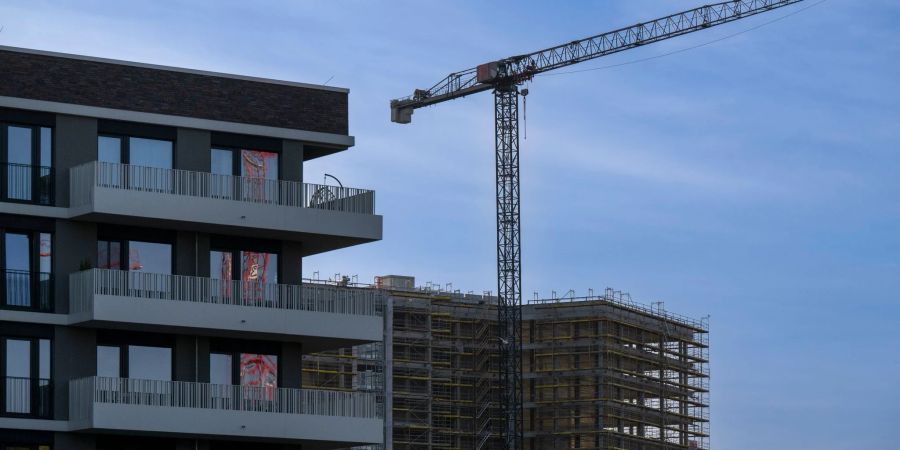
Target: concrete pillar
<point x="291" y="262"/>
<point x="192" y="150"/>
<point x="74" y="356"/>
<point x="291" y="365"/>
<point x="202" y="255"/>
<point x="202" y="359"/>
<point x="292" y="161"/>
<point x="192" y="358"/>
<point x="79" y="239"/>
<point x="186" y="253"/>
<point x="75" y="144"/>
<point x="185" y="358"/>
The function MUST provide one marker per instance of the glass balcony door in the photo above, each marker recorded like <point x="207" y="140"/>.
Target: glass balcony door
<point x="27" y="281"/>
<point x="26" y="377"/>
<point x="27" y="160"/>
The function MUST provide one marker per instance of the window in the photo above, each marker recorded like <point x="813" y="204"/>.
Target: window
<point x="27" y="153"/>
<point x="259" y="370"/>
<point x="139" y="154"/>
<point x="254" y="369"/>
<point x="150" y="363"/>
<point x="220" y="368"/>
<point x="27" y="262"/>
<point x="135" y="151"/>
<point x="26" y="376"/>
<point x="150" y="257"/>
<point x="255" y="166"/>
<point x="144" y="362"/>
<point x="246" y="163"/>
<point x="254" y="266"/>
<point x="108" y="362"/>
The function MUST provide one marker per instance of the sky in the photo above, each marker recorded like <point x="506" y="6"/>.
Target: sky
<point x="753" y="179"/>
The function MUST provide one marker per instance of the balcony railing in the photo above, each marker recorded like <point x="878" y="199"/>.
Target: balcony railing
<point x="26" y="183"/>
<point x="86" y="177"/>
<point x="318" y="298"/>
<point x="27" y="290"/>
<point x="85" y="392"/>
<point x="27" y="397"/>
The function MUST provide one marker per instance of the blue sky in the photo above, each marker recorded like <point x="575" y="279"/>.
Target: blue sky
<point x="754" y="179"/>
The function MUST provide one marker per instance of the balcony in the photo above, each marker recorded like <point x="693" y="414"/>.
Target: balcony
<point x="22" y="183"/>
<point x="26" y="398"/>
<point x="322" y="217"/>
<point x="26" y="291"/>
<point x="315" y="419"/>
<point x="320" y="317"/>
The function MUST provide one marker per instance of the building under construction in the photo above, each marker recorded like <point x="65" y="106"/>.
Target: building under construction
<point x="600" y="372"/>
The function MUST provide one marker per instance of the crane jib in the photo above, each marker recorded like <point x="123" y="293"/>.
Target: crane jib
<point x="521" y="68"/>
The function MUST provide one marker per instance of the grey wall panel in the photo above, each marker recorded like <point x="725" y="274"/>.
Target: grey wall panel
<point x="292" y="161"/>
<point x="74" y="356"/>
<point x="192" y="150"/>
<point x="75" y="242"/>
<point x="75" y="144"/>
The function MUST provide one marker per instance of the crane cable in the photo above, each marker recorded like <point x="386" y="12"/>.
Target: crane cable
<point x="649" y="58"/>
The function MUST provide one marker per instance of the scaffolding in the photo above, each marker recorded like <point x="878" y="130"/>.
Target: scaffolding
<point x="600" y="372"/>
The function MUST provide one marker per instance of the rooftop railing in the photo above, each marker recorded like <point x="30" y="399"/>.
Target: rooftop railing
<point x="86" y="177"/>
<point x="85" y="392"/>
<point x="153" y="286"/>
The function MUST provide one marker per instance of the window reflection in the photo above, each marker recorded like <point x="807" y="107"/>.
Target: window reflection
<point x="220" y="266"/>
<point x="259" y="267"/>
<point x="259" y="375"/>
<point x="259" y="164"/>
<point x="150" y="257"/>
<point x="257" y="167"/>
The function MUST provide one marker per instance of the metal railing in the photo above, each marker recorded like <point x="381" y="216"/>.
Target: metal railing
<point x="85" y="392"/>
<point x="318" y="298"/>
<point x="26" y="183"/>
<point x="86" y="177"/>
<point x="623" y="300"/>
<point x="32" y="397"/>
<point x="27" y="290"/>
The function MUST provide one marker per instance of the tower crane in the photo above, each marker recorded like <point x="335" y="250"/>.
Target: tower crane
<point x="504" y="77"/>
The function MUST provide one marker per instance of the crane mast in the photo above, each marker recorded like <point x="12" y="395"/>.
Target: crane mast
<point x="504" y="77"/>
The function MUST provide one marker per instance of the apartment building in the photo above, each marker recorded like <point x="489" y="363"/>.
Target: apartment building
<point x="154" y="222"/>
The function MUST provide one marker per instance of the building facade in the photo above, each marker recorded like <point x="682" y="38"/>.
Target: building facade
<point x="154" y="222"/>
<point x="600" y="372"/>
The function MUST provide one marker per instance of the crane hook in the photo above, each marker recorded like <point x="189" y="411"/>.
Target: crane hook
<point x="524" y="93"/>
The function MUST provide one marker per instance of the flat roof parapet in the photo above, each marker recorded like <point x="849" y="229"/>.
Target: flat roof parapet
<point x="146" y="88"/>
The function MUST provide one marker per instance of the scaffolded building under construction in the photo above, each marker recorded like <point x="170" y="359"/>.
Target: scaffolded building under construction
<point x="600" y="372"/>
